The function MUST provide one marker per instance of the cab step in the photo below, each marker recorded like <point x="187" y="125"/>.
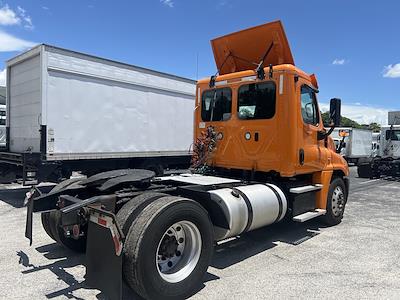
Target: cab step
<point x="306" y="188"/>
<point x="309" y="215"/>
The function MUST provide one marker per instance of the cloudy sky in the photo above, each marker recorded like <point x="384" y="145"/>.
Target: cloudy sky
<point x="352" y="46"/>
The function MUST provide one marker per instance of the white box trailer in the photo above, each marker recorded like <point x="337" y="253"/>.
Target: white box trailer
<point x="79" y="112"/>
<point x="358" y="143"/>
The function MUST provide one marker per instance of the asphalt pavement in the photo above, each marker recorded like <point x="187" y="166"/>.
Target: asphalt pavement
<point x="358" y="258"/>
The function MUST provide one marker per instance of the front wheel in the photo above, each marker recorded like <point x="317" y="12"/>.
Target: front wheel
<point x="168" y="249"/>
<point x="336" y="202"/>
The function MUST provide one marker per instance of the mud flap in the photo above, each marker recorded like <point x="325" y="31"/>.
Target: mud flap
<point x="29" y="217"/>
<point x="104" y="255"/>
<point x="29" y="202"/>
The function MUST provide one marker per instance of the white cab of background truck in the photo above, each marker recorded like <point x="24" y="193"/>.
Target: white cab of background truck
<point x="390" y="136"/>
<point x="390" y="141"/>
<point x="357" y="144"/>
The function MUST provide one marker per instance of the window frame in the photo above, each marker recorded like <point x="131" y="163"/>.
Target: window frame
<point x="256" y="82"/>
<point x="314" y="99"/>
<point x="213" y="89"/>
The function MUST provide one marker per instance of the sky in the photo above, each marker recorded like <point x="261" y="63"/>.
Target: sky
<point x="352" y="46"/>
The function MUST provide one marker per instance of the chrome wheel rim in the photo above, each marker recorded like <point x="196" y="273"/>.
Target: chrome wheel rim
<point x="178" y="251"/>
<point x="338" y="201"/>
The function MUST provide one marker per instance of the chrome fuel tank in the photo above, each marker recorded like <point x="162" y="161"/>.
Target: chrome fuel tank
<point x="249" y="207"/>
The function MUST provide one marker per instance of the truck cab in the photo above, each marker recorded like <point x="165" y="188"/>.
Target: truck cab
<point x="390" y="141"/>
<point x="269" y="124"/>
<point x="386" y="162"/>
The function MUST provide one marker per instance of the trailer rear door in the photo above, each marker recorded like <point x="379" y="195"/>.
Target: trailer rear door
<point x="24" y="102"/>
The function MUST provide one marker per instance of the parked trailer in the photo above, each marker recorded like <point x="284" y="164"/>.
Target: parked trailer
<point x="356" y="144"/>
<point x="69" y="111"/>
<point x="387" y="161"/>
<point x="263" y="155"/>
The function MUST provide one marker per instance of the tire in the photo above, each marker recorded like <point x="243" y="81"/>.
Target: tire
<point x="336" y="202"/>
<point x="45" y="217"/>
<point x="150" y="237"/>
<point x="363" y="160"/>
<point x="46" y="224"/>
<point x="77" y="245"/>
<point x="364" y="170"/>
<point x="130" y="210"/>
<point x="51" y="223"/>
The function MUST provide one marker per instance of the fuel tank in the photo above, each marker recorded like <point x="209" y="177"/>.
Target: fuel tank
<point x="248" y="207"/>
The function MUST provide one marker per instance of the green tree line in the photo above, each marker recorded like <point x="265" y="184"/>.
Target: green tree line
<point x="347" y="122"/>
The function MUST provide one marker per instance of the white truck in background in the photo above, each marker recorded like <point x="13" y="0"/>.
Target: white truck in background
<point x="387" y="160"/>
<point x="356" y="144"/>
<point x="390" y="141"/>
<point x="68" y="111"/>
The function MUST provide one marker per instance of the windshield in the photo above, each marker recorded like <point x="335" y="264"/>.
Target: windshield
<point x="394" y="136"/>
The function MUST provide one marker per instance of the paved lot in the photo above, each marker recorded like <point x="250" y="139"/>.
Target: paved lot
<point x="358" y="259"/>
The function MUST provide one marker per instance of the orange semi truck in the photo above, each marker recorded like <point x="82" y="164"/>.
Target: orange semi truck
<point x="262" y="156"/>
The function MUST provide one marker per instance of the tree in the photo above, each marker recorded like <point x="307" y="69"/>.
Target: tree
<point x="346" y="122"/>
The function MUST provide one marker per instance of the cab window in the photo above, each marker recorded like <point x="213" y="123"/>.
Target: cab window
<point x="256" y="101"/>
<point x="216" y="105"/>
<point x="309" y="108"/>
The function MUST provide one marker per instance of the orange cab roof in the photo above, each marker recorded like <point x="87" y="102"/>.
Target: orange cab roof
<point x="288" y="68"/>
<point x="243" y="50"/>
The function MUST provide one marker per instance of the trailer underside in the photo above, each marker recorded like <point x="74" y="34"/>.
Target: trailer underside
<point x="31" y="168"/>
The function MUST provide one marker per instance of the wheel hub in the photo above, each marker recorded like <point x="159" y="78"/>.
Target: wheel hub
<point x="338" y="201"/>
<point x="178" y="251"/>
<point x="169" y="246"/>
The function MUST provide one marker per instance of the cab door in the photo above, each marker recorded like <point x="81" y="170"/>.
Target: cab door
<point x="311" y="153"/>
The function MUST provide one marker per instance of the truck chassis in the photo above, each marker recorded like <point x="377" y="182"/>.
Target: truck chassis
<point x="379" y="166"/>
<point x="158" y="232"/>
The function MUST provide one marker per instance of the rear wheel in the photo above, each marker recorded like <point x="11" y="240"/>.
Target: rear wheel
<point x="46" y="224"/>
<point x="76" y="244"/>
<point x="168" y="249"/>
<point x="364" y="170"/>
<point x="336" y="202"/>
<point x="51" y="222"/>
<point x="130" y="210"/>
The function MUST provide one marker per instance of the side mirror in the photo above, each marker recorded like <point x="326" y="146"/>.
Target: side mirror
<point x="334" y="111"/>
